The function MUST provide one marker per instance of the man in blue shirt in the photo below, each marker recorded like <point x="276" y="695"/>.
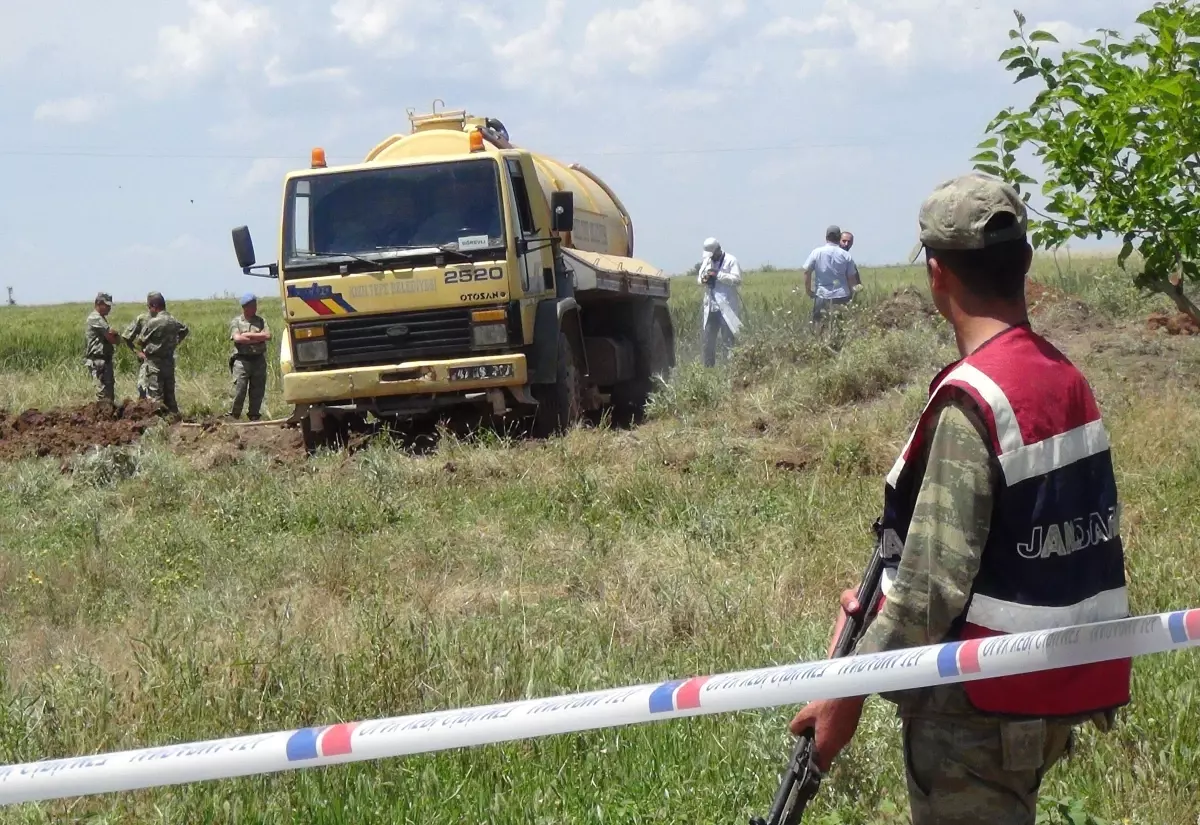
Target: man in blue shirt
<point x="835" y="273"/>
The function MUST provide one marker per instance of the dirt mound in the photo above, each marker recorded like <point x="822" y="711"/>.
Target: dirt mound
<point x="64" y="432"/>
<point x="1038" y="297"/>
<point x="906" y="308"/>
<point x="1177" y="324"/>
<point x="213" y="444"/>
<point x="1057" y="312"/>
<point x="67" y="431"/>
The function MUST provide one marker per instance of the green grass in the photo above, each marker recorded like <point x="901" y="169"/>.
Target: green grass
<point x="150" y="596"/>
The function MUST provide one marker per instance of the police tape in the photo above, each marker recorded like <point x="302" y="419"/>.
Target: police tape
<point x="527" y="719"/>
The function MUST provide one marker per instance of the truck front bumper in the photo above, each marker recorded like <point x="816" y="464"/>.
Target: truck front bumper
<point x="458" y="375"/>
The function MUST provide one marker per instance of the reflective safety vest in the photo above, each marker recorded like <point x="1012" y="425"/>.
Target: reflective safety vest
<point x="1053" y="556"/>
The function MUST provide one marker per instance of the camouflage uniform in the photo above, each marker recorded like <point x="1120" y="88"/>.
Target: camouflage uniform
<point x="962" y="766"/>
<point x="157" y="336"/>
<point x="248" y="365"/>
<point x="98" y="353"/>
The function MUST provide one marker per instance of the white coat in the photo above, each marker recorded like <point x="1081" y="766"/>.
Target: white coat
<point x="724" y="294"/>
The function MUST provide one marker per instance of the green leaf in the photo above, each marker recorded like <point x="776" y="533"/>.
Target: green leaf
<point x="1020" y="17"/>
<point x="1030" y="71"/>
<point x="1170" y="86"/>
<point x="1009" y="54"/>
<point x="1040" y="36"/>
<point x="990" y="143"/>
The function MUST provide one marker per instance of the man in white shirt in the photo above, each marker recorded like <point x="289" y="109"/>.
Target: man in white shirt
<point x="835" y="273"/>
<point x="720" y="276"/>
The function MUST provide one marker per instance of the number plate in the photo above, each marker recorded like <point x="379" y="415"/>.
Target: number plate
<point x="481" y="373"/>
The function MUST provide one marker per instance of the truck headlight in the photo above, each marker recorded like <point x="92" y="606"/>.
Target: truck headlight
<point x="489" y="335"/>
<point x="312" y="351"/>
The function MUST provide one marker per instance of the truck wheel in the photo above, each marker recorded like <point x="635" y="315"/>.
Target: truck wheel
<point x="333" y="434"/>
<point x="560" y="405"/>
<point x="629" y="398"/>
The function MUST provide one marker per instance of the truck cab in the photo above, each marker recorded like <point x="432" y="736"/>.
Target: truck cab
<point x="454" y="269"/>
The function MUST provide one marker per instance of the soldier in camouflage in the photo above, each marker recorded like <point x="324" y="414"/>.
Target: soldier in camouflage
<point x="98" y="340"/>
<point x="154" y="335"/>
<point x="962" y="765"/>
<point x="248" y="363"/>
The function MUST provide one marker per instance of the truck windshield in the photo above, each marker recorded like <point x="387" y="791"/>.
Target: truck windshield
<point x="378" y="213"/>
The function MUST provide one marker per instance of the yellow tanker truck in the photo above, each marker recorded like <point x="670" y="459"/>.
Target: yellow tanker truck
<point x="452" y="268"/>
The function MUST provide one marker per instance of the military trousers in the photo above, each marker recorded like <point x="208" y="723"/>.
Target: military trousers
<point x="979" y="769"/>
<point x="249" y="374"/>
<point x="101" y="370"/>
<point x="156" y="381"/>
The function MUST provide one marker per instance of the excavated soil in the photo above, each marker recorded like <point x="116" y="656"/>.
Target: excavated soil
<point x="64" y="432"/>
<point x="1177" y="324"/>
<point x="906" y="308"/>
<point x="67" y="431"/>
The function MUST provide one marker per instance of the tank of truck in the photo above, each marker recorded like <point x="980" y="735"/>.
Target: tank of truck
<point x="602" y="224"/>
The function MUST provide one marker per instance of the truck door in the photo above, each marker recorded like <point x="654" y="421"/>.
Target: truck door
<point x="529" y="262"/>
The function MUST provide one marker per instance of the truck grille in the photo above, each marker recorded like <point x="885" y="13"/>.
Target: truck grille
<point x="382" y="339"/>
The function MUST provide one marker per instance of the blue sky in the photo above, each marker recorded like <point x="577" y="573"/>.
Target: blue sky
<point x="135" y="134"/>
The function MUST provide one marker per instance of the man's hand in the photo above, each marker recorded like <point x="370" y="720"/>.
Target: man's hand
<point x="833" y="723"/>
<point x="141" y="355"/>
<point x="849" y="607"/>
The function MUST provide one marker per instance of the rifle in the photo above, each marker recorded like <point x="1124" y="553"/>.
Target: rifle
<point x="802" y="778"/>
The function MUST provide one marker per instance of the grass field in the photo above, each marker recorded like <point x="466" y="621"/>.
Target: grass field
<point x="150" y="595"/>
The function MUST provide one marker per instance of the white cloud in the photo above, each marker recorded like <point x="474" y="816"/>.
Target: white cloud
<point x="217" y="34"/>
<point x="642" y="38"/>
<point x="1068" y="35"/>
<point x="184" y="244"/>
<point x="535" y="56"/>
<point x="72" y="110"/>
<point x="897" y="34"/>
<point x="277" y="76"/>
<point x="263" y="173"/>
<point x="789" y="26"/>
<point x="370" y="21"/>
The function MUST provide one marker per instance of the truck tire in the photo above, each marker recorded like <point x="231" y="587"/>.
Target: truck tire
<point x="629" y="398"/>
<point x="560" y="405"/>
<point x="333" y="435"/>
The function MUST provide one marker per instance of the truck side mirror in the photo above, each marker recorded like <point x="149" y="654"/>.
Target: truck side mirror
<point x="562" y="211"/>
<point x="243" y="247"/>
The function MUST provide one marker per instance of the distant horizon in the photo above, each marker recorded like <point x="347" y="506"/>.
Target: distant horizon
<point x="232" y="295"/>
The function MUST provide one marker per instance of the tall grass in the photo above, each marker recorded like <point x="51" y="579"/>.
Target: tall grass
<point x="150" y="596"/>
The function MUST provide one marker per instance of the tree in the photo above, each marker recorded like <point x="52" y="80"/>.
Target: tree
<point x="1116" y="126"/>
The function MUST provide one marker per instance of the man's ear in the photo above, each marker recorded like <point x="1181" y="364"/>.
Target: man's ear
<point x="938" y="276"/>
<point x="1028" y="263"/>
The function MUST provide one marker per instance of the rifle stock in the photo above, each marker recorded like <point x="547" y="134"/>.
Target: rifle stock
<point x="802" y="778"/>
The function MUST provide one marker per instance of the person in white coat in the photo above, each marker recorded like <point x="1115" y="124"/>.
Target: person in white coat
<point x="721" y="277"/>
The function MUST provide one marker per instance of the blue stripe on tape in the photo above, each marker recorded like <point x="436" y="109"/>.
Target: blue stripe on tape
<point x="303" y="744"/>
<point x="662" y="700"/>
<point x="1177" y="627"/>
<point x="947" y="660"/>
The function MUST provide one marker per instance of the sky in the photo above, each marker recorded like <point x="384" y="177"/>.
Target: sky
<point x="135" y="134"/>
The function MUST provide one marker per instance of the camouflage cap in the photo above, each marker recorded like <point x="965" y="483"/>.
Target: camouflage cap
<point x="103" y="298"/>
<point x="955" y="214"/>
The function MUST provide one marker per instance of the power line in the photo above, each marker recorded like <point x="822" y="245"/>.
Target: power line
<point x="891" y="142"/>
